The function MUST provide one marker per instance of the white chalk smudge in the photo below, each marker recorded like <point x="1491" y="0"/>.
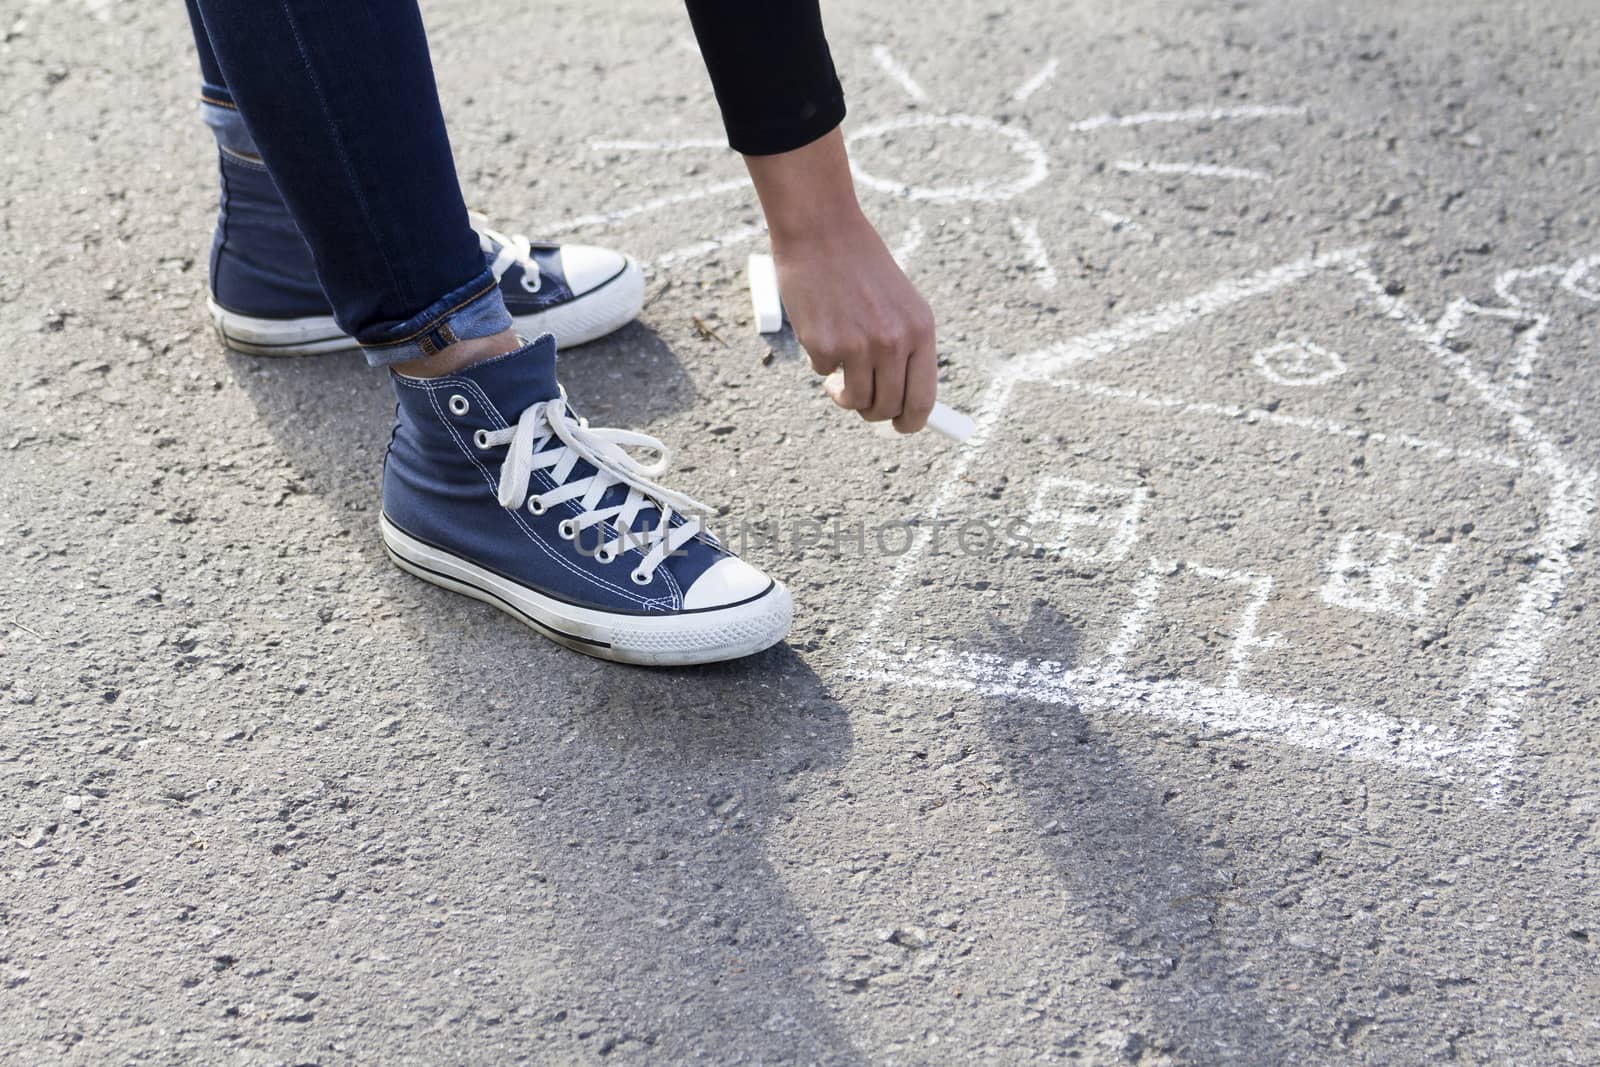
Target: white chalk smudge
<point x="1038" y="81"/>
<point x="579" y="222"/>
<point x="1193" y="170"/>
<point x="1216" y="114"/>
<point x="1027" y="232"/>
<point x="892" y="67"/>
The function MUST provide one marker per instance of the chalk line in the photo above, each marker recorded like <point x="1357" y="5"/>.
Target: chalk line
<point x="1215" y="114"/>
<point x="579" y="222"/>
<point x="1142" y="326"/>
<point x="1312" y="364"/>
<point x="1178" y="405"/>
<point x="1504" y="283"/>
<point x="683" y="145"/>
<point x="1570" y="281"/>
<point x="1157" y="575"/>
<point x="1145" y="594"/>
<point x="1246" y="639"/>
<point x="1530" y="342"/>
<point x="1500" y="679"/>
<point x="985" y="415"/>
<point x="1124" y="524"/>
<point x="1027" y="232"/>
<point x="1112" y="219"/>
<point x="1193" y="170"/>
<point x="909" y="243"/>
<point x="1022" y="143"/>
<point x="1038" y="81"/>
<point x="707" y="247"/>
<point x="891" y="66"/>
<point x="1504" y="675"/>
<point x="1354" y="732"/>
<point x="1368" y="582"/>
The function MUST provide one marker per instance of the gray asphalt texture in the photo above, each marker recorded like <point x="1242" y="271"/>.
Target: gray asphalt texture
<point x="270" y="800"/>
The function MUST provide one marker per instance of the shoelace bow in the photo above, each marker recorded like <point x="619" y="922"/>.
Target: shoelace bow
<point x="605" y="449"/>
<point x="508" y="250"/>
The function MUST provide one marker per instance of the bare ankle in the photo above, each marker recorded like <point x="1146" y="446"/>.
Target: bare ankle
<point x="462" y="354"/>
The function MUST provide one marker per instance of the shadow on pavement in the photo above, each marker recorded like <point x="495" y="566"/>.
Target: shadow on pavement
<point x="649" y="802"/>
<point x="635" y="881"/>
<point x="1152" y="890"/>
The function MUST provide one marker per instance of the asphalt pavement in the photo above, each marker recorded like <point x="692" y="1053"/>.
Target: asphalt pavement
<point x="1229" y="698"/>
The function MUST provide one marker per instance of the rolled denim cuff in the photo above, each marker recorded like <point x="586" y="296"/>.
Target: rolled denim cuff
<point x="474" y="310"/>
<point x="227" y="125"/>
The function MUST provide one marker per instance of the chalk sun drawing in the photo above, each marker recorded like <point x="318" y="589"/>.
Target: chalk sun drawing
<point x="1025" y="159"/>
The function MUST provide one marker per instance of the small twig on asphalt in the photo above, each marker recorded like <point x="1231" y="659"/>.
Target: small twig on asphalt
<point x="25" y="629"/>
<point x="707" y="331"/>
<point x="657" y="295"/>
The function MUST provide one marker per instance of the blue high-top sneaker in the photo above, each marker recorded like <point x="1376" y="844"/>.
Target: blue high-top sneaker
<point x="265" y="299"/>
<point x="494" y="488"/>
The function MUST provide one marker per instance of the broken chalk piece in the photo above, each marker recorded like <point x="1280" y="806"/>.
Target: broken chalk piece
<point x="943" y="420"/>
<point x="764" y="294"/>
<point x="956" y="425"/>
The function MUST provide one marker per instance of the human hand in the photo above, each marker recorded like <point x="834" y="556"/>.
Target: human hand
<point x="859" y="318"/>
<point x="861" y="322"/>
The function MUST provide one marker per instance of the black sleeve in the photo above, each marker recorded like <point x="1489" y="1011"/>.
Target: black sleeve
<point x="771" y="70"/>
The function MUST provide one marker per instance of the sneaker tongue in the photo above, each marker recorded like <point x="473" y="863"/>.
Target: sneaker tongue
<point x="519" y="378"/>
<point x="526" y="376"/>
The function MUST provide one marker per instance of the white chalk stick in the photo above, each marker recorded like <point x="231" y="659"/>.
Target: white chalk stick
<point x="943" y="420"/>
<point x="956" y="425"/>
<point x="764" y="294"/>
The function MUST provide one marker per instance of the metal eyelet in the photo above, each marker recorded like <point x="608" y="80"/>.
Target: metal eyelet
<point x="639" y="577"/>
<point x="459" y="405"/>
<point x="538" y="281"/>
<point x="568" y="529"/>
<point x="606" y="554"/>
<point x="534" y="507"/>
<point x="481" y="439"/>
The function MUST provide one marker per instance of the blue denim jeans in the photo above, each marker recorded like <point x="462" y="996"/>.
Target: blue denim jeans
<point x="336" y="100"/>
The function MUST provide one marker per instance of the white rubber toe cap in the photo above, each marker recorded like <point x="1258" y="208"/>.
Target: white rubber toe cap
<point x="727" y="581"/>
<point x="587" y="267"/>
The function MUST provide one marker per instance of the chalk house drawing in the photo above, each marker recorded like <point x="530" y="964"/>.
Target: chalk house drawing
<point x="1370" y="571"/>
<point x="1378" y="575"/>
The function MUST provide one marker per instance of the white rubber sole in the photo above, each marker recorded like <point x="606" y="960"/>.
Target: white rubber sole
<point x="708" y="636"/>
<point x="602" y="310"/>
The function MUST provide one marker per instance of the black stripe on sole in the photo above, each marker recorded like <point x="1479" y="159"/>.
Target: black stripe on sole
<point x="232" y="341"/>
<point x="563" y="600"/>
<point x="499" y="600"/>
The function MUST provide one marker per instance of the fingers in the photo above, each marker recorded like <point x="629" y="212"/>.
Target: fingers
<point x="896" y="380"/>
<point x="851" y="383"/>
<point x="889" y="387"/>
<point x="921" y="387"/>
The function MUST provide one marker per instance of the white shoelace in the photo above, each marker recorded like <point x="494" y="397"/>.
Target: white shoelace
<point x="605" y="450"/>
<point x="509" y="251"/>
